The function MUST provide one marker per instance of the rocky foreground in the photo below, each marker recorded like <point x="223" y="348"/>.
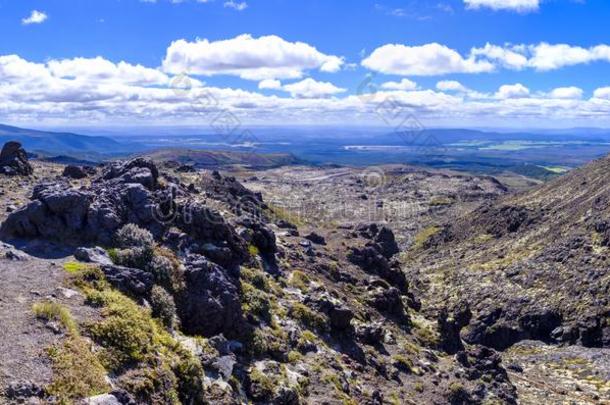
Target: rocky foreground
<point x="144" y="283"/>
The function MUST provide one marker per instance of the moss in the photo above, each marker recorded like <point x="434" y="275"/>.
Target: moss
<point x="299" y="280"/>
<point x="307" y="317"/>
<point x="294" y="356"/>
<point x="255" y="303"/>
<point x="418" y="386"/>
<point x="261" y="386"/>
<point x="402" y="363"/>
<point x="77" y="372"/>
<point x="253" y="250"/>
<point x="424" y="235"/>
<point x="132" y="340"/>
<point x="77" y="267"/>
<point x="52" y="311"/>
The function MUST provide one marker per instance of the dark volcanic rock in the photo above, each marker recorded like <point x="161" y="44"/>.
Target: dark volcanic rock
<point x="371" y="260"/>
<point x="216" y="238"/>
<point x="132" y="281"/>
<point x="14" y="160"/>
<point x="316" y="238"/>
<point x="450" y="326"/>
<point x="210" y="303"/>
<point x="74" y="172"/>
<point x="92" y="255"/>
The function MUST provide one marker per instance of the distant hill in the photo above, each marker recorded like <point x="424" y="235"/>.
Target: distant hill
<point x="62" y="143"/>
<point x="208" y="159"/>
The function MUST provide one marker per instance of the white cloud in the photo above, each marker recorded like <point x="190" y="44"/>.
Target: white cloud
<point x="267" y="57"/>
<point x="100" y="69"/>
<point x="508" y="57"/>
<point x="36" y="17"/>
<point x="542" y="56"/>
<point x="521" y="6"/>
<point x="451" y="85"/>
<point x="567" y="93"/>
<point x="58" y="92"/>
<point x="512" y="91"/>
<point x="310" y="88"/>
<point x="602" y="93"/>
<point x="404" y="84"/>
<point x="270" y="84"/>
<point x="239" y="6"/>
<point x="425" y="60"/>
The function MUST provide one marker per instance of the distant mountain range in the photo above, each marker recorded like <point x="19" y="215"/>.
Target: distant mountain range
<point x="65" y="143"/>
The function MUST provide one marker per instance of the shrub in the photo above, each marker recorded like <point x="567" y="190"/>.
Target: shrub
<point x="307" y="317"/>
<point x="299" y="280"/>
<point x="261" y="386"/>
<point x="163" y="270"/>
<point x="255" y="303"/>
<point x="132" y="236"/>
<point x="137" y="257"/>
<point x="52" y="311"/>
<point x="402" y="363"/>
<point x="163" y="306"/>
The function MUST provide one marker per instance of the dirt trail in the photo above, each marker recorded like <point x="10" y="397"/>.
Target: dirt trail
<point x="23" y="339"/>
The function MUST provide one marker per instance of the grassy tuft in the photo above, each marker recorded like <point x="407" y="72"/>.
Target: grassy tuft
<point x="52" y="311"/>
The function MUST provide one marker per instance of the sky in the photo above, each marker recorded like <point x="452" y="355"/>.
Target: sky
<point x="440" y="63"/>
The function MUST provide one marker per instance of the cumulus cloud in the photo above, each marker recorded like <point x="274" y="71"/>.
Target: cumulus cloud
<point x="435" y="59"/>
<point x="521" y="6"/>
<point x="512" y="91"/>
<point x="100" y="69"/>
<point x="36" y="17"/>
<point x="310" y="88"/>
<point x="270" y="84"/>
<point x="567" y="93"/>
<point x="602" y="93"/>
<point x="451" y="85"/>
<point x="425" y="60"/>
<point x="266" y="57"/>
<point x="95" y="90"/>
<point x="404" y="84"/>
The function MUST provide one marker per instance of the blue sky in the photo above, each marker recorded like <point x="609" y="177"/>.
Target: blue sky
<point x="504" y="63"/>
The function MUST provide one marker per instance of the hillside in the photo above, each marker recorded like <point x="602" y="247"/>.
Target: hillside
<point x="214" y="159"/>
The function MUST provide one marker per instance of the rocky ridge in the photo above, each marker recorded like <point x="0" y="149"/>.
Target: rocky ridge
<point x="230" y="302"/>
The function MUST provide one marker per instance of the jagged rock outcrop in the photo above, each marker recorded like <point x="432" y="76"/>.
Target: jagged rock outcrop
<point x="124" y="193"/>
<point x="14" y="160"/>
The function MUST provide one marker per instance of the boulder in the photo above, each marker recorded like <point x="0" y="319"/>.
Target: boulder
<point x="316" y="238"/>
<point x="74" y="172"/>
<point x="210" y="303"/>
<point x="95" y="255"/>
<point x="14" y="160"/>
<point x="132" y="281"/>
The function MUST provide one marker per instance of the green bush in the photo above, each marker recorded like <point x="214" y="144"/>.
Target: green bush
<point x="255" y="303"/>
<point x="163" y="306"/>
<point x="307" y="317"/>
<point x="132" y="236"/>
